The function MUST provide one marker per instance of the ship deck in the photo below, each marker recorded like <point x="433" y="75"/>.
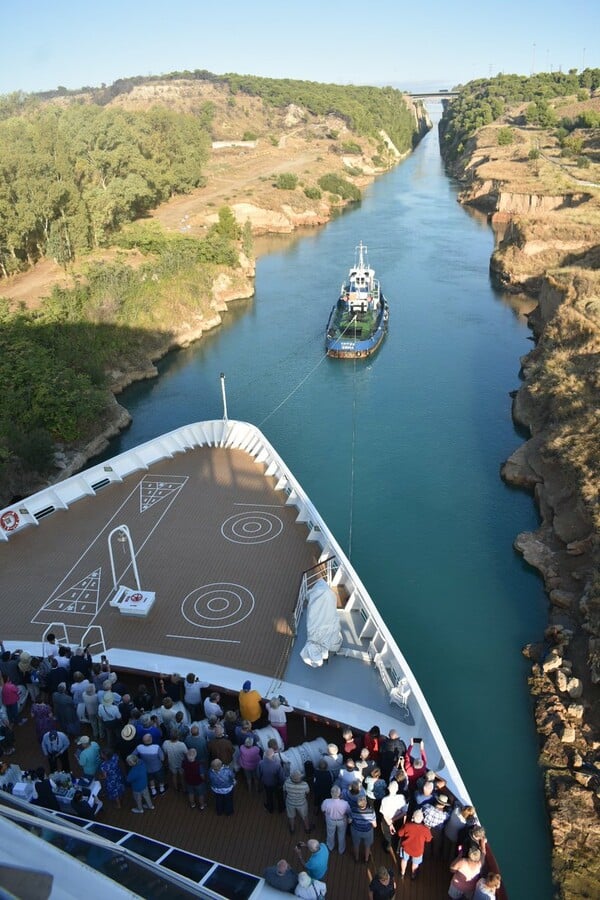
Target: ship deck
<point x="251" y="839"/>
<point x="212" y="538"/>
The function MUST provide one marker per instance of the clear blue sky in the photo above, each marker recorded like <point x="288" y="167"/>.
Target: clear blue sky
<point x="47" y="43"/>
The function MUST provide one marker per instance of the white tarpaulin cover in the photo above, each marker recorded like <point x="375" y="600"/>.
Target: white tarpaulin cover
<point x="322" y="625"/>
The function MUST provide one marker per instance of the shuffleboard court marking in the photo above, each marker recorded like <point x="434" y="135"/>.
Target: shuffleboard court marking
<point x="97" y="548"/>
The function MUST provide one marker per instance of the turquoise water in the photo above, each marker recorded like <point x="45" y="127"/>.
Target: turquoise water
<point x="401" y="455"/>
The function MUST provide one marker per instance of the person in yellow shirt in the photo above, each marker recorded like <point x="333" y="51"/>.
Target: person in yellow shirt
<point x="250" y="703"/>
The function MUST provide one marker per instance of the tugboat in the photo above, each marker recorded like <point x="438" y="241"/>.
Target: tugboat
<point x="358" y="322"/>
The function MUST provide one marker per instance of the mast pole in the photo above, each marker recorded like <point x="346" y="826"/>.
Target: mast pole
<point x="224" y="395"/>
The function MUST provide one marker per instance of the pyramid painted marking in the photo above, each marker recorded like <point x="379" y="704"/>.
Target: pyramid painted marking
<point x="81" y="598"/>
<point x="153" y="489"/>
<point x="81" y="601"/>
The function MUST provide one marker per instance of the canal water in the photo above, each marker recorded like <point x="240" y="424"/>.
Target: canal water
<point x="401" y="455"/>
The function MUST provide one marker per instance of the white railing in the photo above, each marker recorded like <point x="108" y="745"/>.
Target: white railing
<point x="92" y="637"/>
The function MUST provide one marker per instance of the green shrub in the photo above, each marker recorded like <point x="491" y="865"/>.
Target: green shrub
<point x="540" y="113"/>
<point x="583" y="162"/>
<point x="287" y="181"/>
<point x="571" y="146"/>
<point x="335" y="184"/>
<point x="506" y="136"/>
<point x="534" y="153"/>
<point x="35" y="448"/>
<point x="313" y="193"/>
<point x="250" y="136"/>
<point x="352" y="147"/>
<point x="247" y="240"/>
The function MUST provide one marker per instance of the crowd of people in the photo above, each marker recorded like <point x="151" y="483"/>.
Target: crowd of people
<point x="176" y="734"/>
<point x="376" y="785"/>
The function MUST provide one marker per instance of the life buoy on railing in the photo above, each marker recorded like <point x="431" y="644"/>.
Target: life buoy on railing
<point x="9" y="520"/>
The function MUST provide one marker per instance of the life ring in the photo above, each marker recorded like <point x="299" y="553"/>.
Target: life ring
<point x="9" y="520"/>
<point x="135" y="598"/>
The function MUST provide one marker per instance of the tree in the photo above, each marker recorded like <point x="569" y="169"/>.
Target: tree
<point x="506" y="136"/>
<point x="287" y="181"/>
<point x="247" y="239"/>
<point x="228" y="226"/>
<point x="540" y="113"/>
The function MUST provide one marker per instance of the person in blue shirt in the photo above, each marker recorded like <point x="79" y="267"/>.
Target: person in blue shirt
<point x="222" y="783"/>
<point x="88" y="756"/>
<point x="137" y="779"/>
<point x="318" y="859"/>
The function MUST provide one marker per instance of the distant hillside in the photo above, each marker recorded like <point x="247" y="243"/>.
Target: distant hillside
<point x="77" y="165"/>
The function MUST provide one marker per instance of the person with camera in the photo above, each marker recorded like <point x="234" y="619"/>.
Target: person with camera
<point x="192" y="695"/>
<point x="276" y="712"/>
<point x="317" y="860"/>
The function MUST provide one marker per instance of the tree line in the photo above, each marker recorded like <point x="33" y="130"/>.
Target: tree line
<point x="71" y="177"/>
<point x="482" y="101"/>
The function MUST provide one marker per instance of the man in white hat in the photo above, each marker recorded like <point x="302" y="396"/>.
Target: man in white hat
<point x="108" y="713"/>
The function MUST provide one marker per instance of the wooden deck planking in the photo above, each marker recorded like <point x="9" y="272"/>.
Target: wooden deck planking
<point x="252" y="839"/>
<point x="181" y="553"/>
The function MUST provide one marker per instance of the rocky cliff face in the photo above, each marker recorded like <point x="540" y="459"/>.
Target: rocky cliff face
<point x="547" y="245"/>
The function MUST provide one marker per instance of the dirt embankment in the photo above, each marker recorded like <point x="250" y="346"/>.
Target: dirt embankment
<point x="546" y="224"/>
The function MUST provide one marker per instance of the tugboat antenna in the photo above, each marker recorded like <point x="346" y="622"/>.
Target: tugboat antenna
<point x="224" y="395"/>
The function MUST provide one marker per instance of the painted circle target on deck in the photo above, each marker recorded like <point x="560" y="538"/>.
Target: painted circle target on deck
<point x="217" y="605"/>
<point x="252" y="527"/>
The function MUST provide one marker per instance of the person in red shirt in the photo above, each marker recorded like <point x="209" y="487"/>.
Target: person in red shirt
<point x="415" y="762"/>
<point x="413" y="837"/>
<point x="10" y="699"/>
<point x="351" y="747"/>
<point x="371" y="742"/>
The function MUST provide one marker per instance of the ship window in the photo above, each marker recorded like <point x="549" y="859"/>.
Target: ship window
<point x="106" y="831"/>
<point x="231" y="884"/>
<point x="100" y="484"/>
<point x="145" y="847"/>
<point x="75" y="819"/>
<point x="186" y="864"/>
